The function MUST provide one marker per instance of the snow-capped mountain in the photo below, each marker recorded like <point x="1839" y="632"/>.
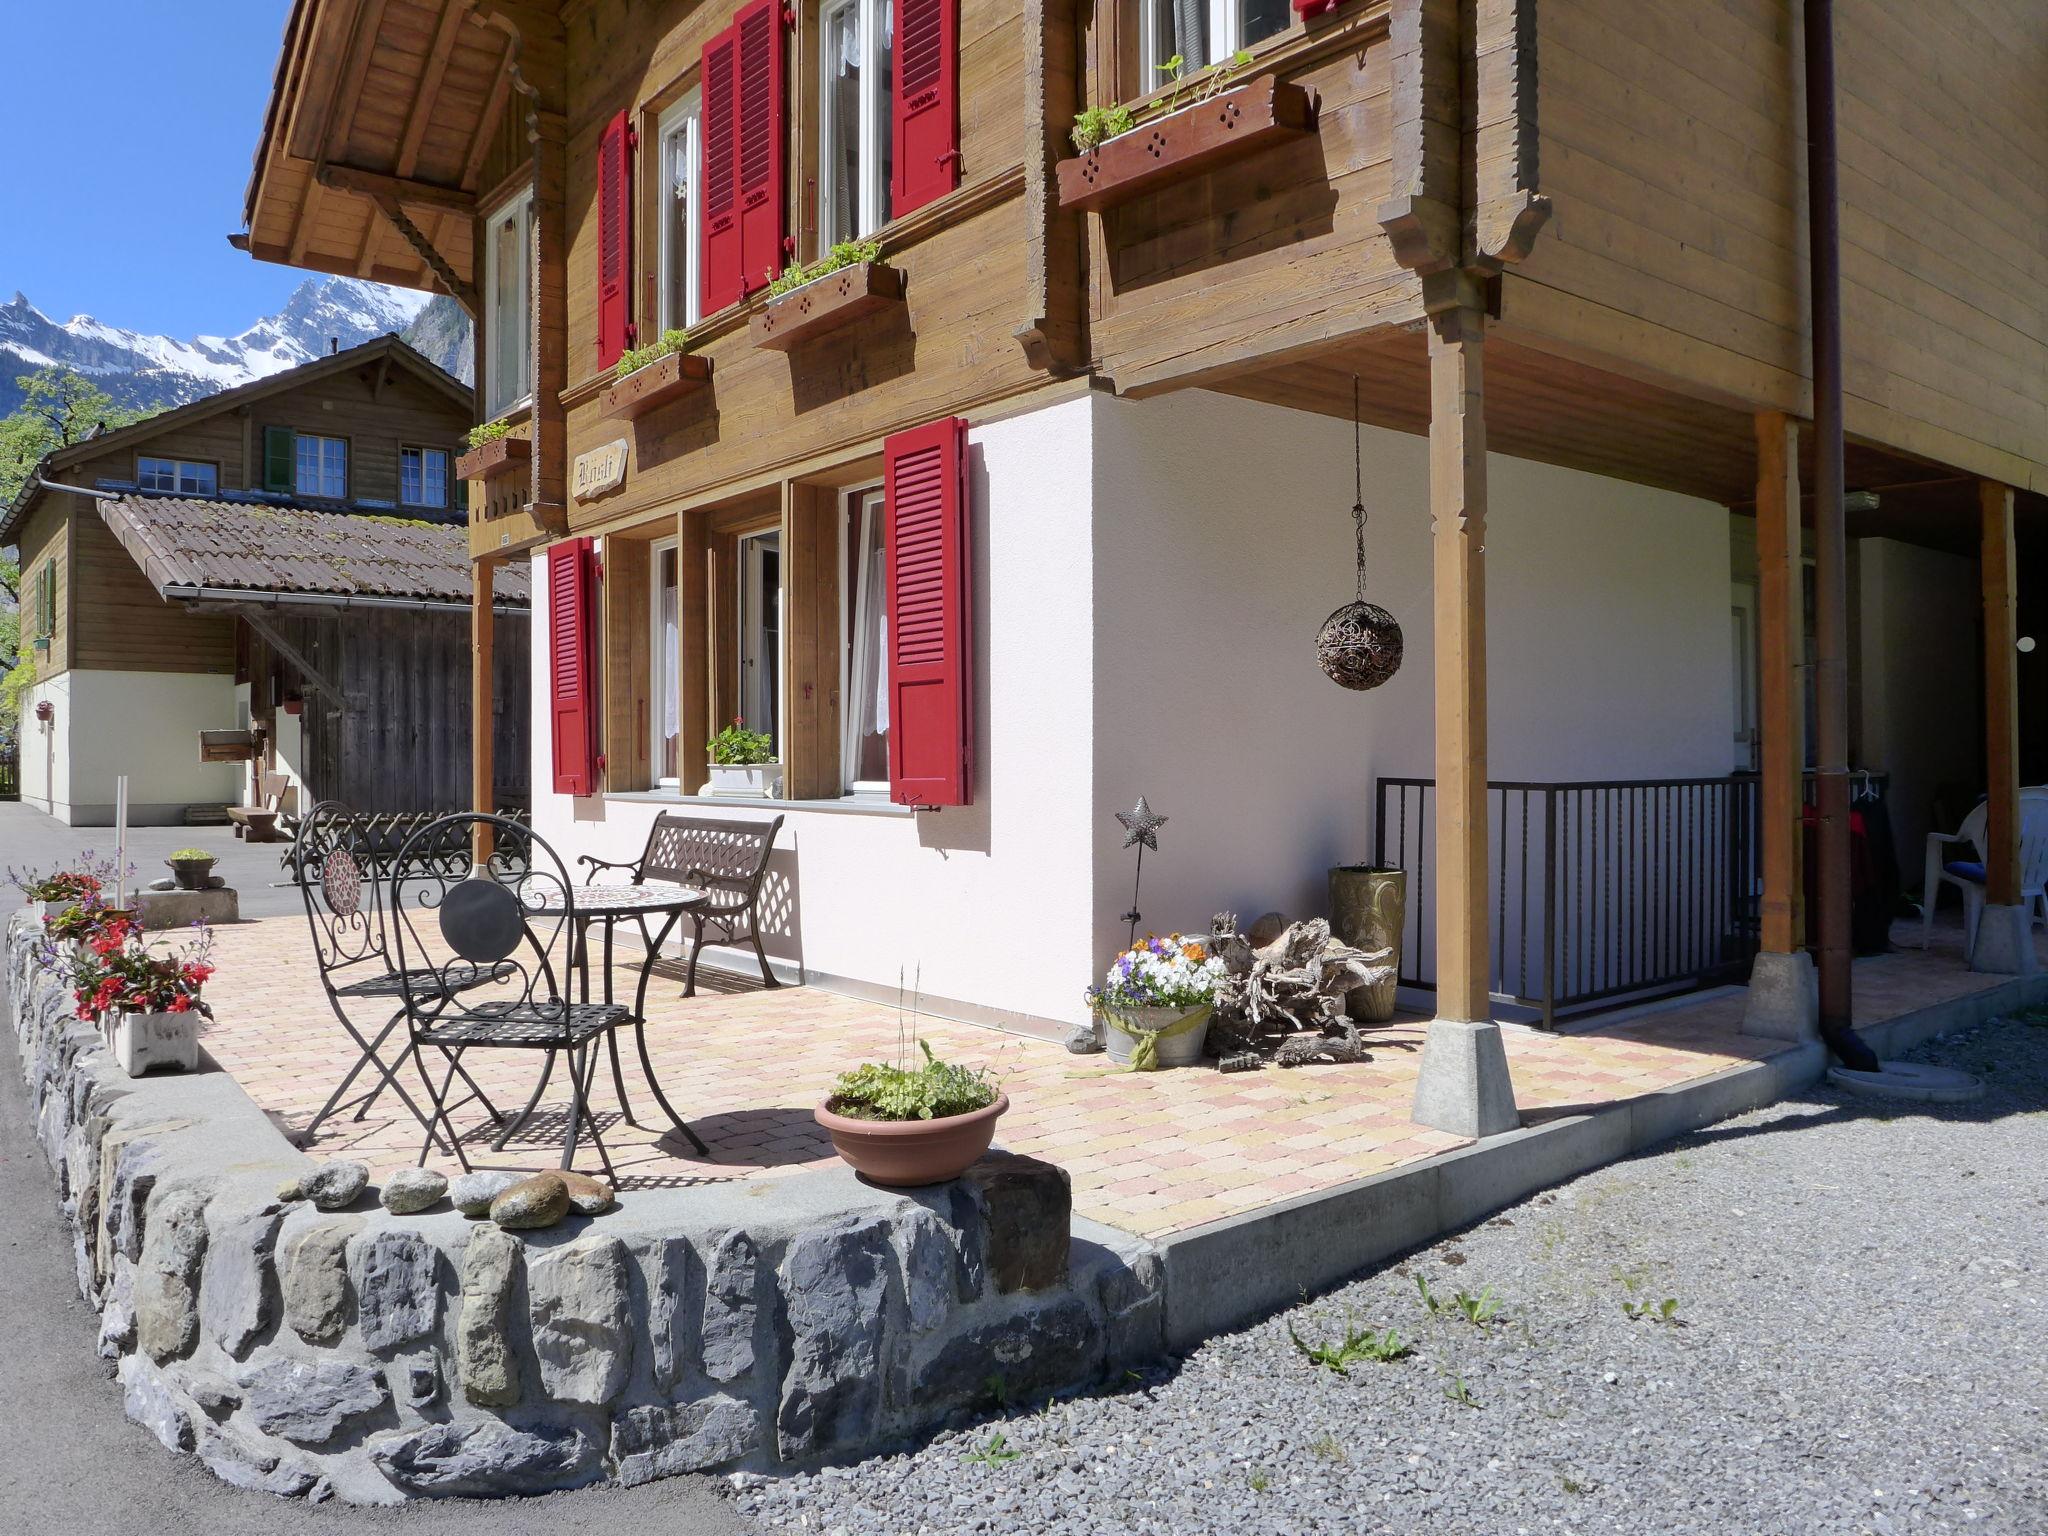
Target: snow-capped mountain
<point x="144" y="370"/>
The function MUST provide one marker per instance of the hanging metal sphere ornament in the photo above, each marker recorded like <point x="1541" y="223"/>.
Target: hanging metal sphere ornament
<point x="1359" y="645"/>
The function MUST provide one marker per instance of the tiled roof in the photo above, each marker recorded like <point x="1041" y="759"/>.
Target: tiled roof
<point x="183" y="542"/>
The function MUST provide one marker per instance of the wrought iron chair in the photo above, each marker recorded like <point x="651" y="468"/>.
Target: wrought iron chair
<point x="727" y="859"/>
<point x="339" y="871"/>
<point x="513" y="917"/>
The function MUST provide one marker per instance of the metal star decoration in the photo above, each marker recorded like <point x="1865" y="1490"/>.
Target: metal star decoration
<point x="1141" y="825"/>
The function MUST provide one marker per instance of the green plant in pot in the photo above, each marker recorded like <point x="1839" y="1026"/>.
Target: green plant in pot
<point x="907" y="1126"/>
<point x="191" y="868"/>
<point x="743" y="762"/>
<point x="1156" y="1002"/>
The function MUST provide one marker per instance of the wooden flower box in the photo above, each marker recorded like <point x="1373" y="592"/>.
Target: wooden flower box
<point x="1185" y="142"/>
<point x="495" y="459"/>
<point x="825" y="304"/>
<point x="669" y="377"/>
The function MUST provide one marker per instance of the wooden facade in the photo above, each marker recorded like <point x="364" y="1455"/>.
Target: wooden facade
<point x="1576" y="233"/>
<point x="402" y="739"/>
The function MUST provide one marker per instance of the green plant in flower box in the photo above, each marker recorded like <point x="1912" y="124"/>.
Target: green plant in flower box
<point x="489" y="432"/>
<point x="634" y="359"/>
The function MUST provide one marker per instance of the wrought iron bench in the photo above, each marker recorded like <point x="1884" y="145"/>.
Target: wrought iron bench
<point x="729" y="859"/>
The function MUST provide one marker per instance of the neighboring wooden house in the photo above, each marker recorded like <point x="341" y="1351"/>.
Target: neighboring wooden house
<point x="285" y="559"/>
<point x="1044" y="509"/>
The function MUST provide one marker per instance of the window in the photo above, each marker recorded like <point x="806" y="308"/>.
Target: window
<point x="322" y="467"/>
<point x="760" y="637"/>
<point x="46" y="604"/>
<point x="856" y="50"/>
<point x="864" y="719"/>
<point x="667" y="662"/>
<point x="1203" y="32"/>
<point x="508" y="242"/>
<point x="180" y="477"/>
<point x="678" y="179"/>
<point x="423" y="477"/>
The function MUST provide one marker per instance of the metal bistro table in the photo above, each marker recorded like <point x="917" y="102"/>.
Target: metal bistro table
<point x="609" y="904"/>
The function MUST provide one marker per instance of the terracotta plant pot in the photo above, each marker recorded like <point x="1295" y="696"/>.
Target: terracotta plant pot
<point x="904" y="1154"/>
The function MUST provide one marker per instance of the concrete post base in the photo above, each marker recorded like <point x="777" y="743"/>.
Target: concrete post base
<point x="2005" y="942"/>
<point x="1784" y="997"/>
<point x="1464" y="1086"/>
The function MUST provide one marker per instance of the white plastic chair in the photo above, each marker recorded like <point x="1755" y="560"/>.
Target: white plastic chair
<point x="1941" y="869"/>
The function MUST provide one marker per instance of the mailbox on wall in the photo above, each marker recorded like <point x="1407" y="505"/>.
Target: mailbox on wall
<point x="227" y="746"/>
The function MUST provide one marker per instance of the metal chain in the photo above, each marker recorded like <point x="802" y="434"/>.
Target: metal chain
<point x="1358" y="484"/>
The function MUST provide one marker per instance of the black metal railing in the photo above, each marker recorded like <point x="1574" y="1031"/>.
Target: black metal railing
<point x="1597" y="890"/>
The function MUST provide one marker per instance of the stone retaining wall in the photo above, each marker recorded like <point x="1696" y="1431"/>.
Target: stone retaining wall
<point x="774" y="1322"/>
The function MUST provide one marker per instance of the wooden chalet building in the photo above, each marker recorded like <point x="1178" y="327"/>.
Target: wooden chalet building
<point x="283" y="563"/>
<point x="1041" y="507"/>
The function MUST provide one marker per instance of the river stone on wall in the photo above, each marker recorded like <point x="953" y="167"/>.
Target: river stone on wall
<point x="385" y="1356"/>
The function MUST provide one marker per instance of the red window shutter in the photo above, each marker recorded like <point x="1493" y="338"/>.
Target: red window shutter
<point x="571" y="627"/>
<point x="926" y="126"/>
<point x="720" y="280"/>
<point x="763" y="195"/>
<point x="614" y="240"/>
<point x="931" y="665"/>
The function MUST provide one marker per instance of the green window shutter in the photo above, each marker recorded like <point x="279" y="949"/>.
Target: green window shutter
<point x="280" y="459"/>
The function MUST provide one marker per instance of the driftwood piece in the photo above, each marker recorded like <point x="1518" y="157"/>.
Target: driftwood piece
<point x="1286" y="998"/>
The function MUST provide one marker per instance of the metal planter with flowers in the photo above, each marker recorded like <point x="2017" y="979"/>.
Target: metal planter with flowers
<point x="1155" y="1004"/>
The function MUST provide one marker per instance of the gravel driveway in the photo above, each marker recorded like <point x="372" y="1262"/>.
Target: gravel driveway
<point x="1854" y="1343"/>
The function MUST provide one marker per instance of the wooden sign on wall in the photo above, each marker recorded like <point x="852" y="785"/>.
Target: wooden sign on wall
<point x="600" y="471"/>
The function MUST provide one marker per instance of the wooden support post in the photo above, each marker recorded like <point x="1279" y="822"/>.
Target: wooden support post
<point x="2001" y="699"/>
<point x="1784" y="994"/>
<point x="1463" y="1086"/>
<point x="1781" y="711"/>
<point x="1457" y="505"/>
<point x="483" y="795"/>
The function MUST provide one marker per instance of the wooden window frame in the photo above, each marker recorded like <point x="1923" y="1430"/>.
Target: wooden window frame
<point x="447" y="476"/>
<point x="660" y="682"/>
<point x="178" y="466"/>
<point x="867" y="501"/>
<point x="684" y="113"/>
<point x="1134" y="70"/>
<point x="348" y="464"/>
<point x="874" y="120"/>
<point x="520" y="204"/>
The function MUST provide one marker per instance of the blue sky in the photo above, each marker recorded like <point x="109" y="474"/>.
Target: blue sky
<point x="130" y="125"/>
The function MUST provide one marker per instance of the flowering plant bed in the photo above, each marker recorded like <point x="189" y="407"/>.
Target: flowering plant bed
<point x="117" y="972"/>
<point x="1156" y="1002"/>
<point x="668" y="377"/>
<point x="825" y="303"/>
<point x="1185" y="142"/>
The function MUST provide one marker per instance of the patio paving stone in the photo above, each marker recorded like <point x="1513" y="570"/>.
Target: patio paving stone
<point x="1149" y="1153"/>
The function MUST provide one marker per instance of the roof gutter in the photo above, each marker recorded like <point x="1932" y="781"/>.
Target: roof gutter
<point x="263" y="598"/>
<point x="79" y="490"/>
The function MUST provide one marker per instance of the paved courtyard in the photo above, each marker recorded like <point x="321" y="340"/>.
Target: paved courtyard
<point x="1149" y="1153"/>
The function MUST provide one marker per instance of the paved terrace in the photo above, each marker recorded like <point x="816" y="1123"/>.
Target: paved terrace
<point x="1152" y="1154"/>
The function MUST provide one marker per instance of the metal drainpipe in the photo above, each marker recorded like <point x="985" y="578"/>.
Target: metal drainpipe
<point x="1830" y="537"/>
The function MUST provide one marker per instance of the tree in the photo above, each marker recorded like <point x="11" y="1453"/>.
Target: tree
<point x="58" y="408"/>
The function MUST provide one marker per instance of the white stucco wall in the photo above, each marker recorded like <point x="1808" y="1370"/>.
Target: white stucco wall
<point x="143" y="724"/>
<point x="962" y="901"/>
<point x="1150" y="577"/>
<point x="1225" y="540"/>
